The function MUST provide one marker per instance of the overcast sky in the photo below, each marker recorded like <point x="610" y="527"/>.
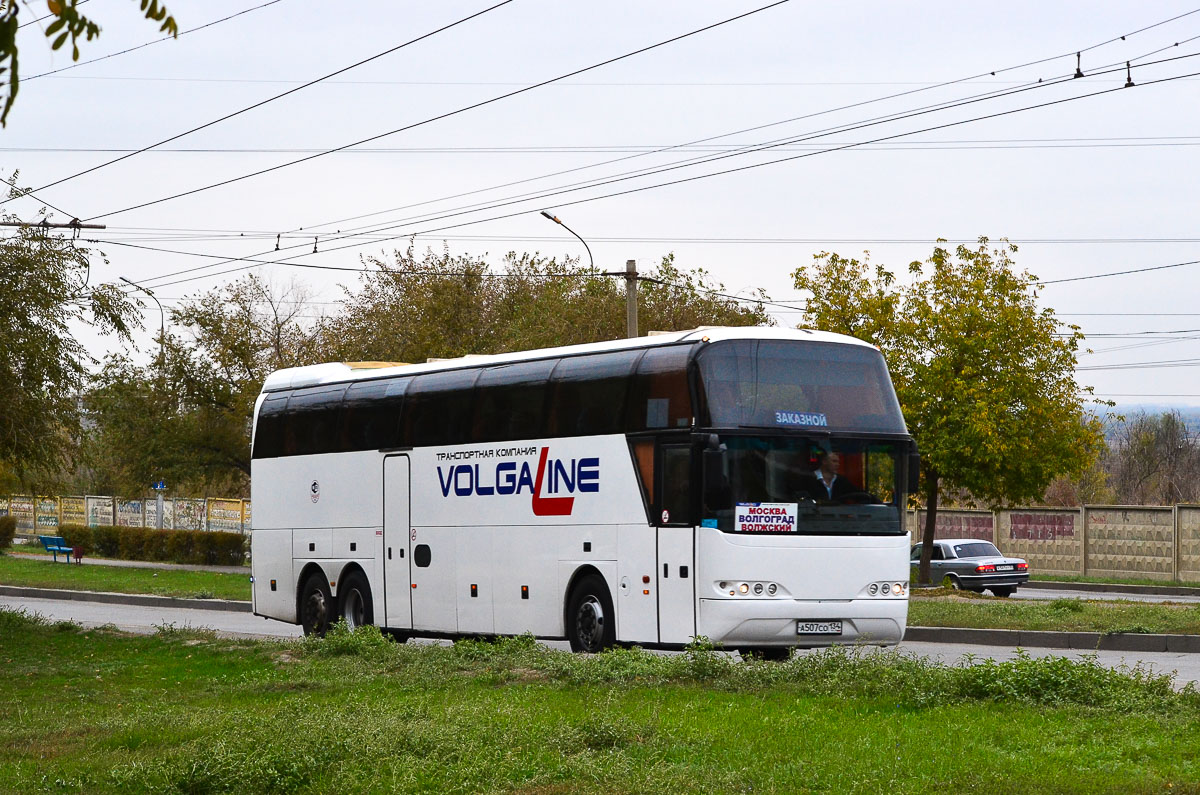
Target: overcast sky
<point x="1088" y="186"/>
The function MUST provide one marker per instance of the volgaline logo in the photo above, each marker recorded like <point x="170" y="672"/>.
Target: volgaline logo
<point x="554" y="476"/>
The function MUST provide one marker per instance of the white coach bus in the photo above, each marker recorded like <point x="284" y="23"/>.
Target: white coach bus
<point x="641" y="491"/>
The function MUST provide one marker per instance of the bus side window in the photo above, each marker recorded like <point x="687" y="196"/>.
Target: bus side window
<point x="371" y="414"/>
<point x="510" y="401"/>
<point x="310" y="425"/>
<point x="437" y="408"/>
<point x="589" y="393"/>
<point x="268" y="435"/>
<point x="660" y="397"/>
<point x="676" y="484"/>
<point x="643" y="456"/>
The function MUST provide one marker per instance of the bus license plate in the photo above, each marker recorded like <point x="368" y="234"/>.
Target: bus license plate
<point x="818" y="627"/>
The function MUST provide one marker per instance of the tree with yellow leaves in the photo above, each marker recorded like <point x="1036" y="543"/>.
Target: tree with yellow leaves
<point x="985" y="377"/>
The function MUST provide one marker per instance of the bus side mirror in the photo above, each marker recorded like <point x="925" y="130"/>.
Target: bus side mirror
<point x="716" y="483"/>
<point x="914" y="470"/>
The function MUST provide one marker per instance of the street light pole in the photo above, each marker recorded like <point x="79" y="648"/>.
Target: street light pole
<point x="554" y="218"/>
<point x="162" y="321"/>
<point x="162" y="340"/>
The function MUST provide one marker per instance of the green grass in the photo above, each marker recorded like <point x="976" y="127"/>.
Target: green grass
<point x="45" y="573"/>
<point x="944" y="608"/>
<point x="1112" y="580"/>
<point x="188" y="712"/>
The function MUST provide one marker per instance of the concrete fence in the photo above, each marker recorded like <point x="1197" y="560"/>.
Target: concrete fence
<point x="44" y="515"/>
<point x="1119" y="541"/>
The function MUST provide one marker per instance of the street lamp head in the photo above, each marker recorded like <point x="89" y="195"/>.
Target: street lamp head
<point x="551" y="217"/>
<point x="137" y="286"/>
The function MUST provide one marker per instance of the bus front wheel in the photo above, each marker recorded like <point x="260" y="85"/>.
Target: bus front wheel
<point x="591" y="624"/>
<point x="355" y="598"/>
<point x="316" y="605"/>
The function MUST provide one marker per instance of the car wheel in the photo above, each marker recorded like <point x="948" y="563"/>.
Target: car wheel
<point x="591" y="623"/>
<point x="951" y="582"/>
<point x="316" y="605"/>
<point x="357" y="609"/>
<point x="1003" y="592"/>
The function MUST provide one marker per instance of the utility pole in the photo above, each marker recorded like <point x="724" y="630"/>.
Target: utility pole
<point x="631" y="280"/>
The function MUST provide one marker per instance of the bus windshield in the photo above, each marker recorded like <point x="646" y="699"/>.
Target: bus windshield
<point x="797" y="384"/>
<point x="793" y="484"/>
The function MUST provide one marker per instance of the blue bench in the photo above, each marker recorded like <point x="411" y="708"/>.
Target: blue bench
<point x="56" y="544"/>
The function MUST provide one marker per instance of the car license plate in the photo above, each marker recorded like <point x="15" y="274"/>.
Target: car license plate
<point x="1004" y="568"/>
<point x="818" y="627"/>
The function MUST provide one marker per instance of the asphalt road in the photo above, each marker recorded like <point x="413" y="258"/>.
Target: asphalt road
<point x="148" y="619"/>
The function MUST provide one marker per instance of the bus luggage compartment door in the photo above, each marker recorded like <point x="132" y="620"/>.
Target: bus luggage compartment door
<point x="396" y="580"/>
<point x="676" y="585"/>
<point x="432" y="569"/>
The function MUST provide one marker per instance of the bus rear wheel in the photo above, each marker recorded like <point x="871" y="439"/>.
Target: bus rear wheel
<point x="316" y="605"/>
<point x="357" y="609"/>
<point x="591" y="623"/>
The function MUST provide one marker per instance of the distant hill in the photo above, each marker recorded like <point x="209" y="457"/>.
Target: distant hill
<point x="1189" y="414"/>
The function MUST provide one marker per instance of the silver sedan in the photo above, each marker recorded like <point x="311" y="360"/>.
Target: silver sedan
<point x="973" y="565"/>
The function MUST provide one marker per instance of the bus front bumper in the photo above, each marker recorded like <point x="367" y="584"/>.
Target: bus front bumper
<point x="775" y="622"/>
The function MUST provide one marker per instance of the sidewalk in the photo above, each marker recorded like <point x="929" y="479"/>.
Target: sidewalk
<point x="139" y="564"/>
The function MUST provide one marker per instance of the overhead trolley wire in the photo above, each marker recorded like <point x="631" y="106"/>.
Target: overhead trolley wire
<point x="897" y="95"/>
<point x="269" y="100"/>
<point x="649" y="187"/>
<point x="709" y="291"/>
<point x="950" y="82"/>
<point x="947" y="83"/>
<point x="1119" y="273"/>
<point x="487" y="102"/>
<point x="77" y="64"/>
<point x="738" y="168"/>
<point x="703" y="176"/>
<point x="448" y="114"/>
<point x="1132" y="141"/>
<point x="748" y="149"/>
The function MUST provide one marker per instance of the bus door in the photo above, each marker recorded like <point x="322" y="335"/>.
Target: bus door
<point x="396" y="528"/>
<point x="676" y="543"/>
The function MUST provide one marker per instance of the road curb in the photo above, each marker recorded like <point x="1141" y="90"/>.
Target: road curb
<point x="143" y="600"/>
<point x="1081" y="641"/>
<point x="1097" y="587"/>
